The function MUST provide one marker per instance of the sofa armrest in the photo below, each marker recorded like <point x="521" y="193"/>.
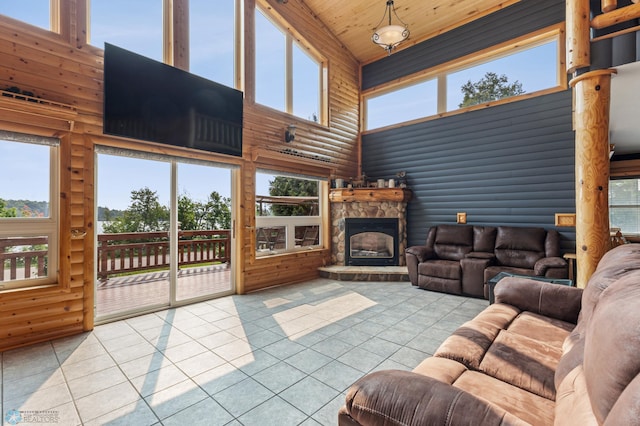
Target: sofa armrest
<point x="473" y="266"/>
<point x="480" y="255"/>
<point x="553" y="300"/>
<point x="546" y="263"/>
<point x="421" y="252"/>
<point x="394" y="397"/>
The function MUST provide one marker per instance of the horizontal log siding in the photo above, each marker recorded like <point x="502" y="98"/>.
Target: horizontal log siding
<point x="337" y="143"/>
<point x="43" y="63"/>
<point x="511" y="164"/>
<point x="54" y="69"/>
<point x="506" y="24"/>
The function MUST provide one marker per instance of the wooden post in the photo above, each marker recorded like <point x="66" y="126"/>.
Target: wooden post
<point x="578" y="35"/>
<point x="592" y="92"/>
<point x="609" y="5"/>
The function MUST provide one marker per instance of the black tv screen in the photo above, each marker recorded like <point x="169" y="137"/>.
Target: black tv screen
<point x="148" y="100"/>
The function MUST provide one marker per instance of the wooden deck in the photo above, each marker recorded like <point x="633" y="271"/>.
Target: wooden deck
<point x="122" y="294"/>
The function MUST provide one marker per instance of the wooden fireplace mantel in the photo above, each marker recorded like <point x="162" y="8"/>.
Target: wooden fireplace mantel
<point x="351" y="195"/>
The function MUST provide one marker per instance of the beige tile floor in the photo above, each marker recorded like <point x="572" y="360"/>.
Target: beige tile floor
<point x="283" y="356"/>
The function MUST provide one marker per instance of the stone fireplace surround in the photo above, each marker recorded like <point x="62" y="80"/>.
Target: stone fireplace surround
<point x="367" y="203"/>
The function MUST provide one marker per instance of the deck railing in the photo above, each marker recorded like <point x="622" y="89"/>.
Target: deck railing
<point x="142" y="251"/>
<point x="20" y="264"/>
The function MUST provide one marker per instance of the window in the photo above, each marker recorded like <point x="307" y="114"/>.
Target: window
<point x="508" y="72"/>
<point x="28" y="212"/>
<point x="288" y="77"/>
<point x="516" y="67"/>
<point x="34" y="12"/>
<point x="411" y="102"/>
<point x="624" y="205"/>
<point x="287" y="213"/>
<point x="211" y="39"/>
<point x="132" y="25"/>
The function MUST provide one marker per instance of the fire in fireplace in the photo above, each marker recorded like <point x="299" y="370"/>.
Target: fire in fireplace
<point x="371" y="241"/>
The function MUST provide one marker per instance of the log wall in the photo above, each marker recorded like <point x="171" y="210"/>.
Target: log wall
<point x="61" y="67"/>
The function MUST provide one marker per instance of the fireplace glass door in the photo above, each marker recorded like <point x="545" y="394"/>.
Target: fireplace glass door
<point x="371" y="241"/>
<point x="371" y="245"/>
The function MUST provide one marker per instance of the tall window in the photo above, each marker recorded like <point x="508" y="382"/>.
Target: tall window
<point x="508" y="72"/>
<point x="211" y="39"/>
<point x="29" y="211"/>
<point x="624" y="205"/>
<point x="132" y="25"/>
<point x="34" y="12"/>
<point x="287" y="213"/>
<point x="288" y="77"/>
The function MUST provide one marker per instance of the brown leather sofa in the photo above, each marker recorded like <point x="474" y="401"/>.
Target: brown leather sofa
<point x="461" y="259"/>
<point x="543" y="354"/>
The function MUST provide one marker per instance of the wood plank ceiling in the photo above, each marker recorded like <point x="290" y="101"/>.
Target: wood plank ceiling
<point x="353" y="21"/>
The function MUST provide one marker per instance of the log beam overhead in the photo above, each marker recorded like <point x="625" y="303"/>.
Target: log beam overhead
<point x="616" y="16"/>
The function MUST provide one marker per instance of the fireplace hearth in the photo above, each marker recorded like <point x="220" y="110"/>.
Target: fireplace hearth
<point x="371" y="241"/>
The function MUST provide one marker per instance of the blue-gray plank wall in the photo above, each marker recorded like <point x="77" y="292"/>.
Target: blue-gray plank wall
<point x="510" y="164"/>
<point x="521" y="18"/>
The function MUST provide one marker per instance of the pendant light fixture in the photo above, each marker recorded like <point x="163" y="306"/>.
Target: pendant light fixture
<point x="389" y="36"/>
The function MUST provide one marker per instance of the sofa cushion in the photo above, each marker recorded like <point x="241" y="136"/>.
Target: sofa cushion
<point x="523" y="362"/>
<point x="520" y="247"/>
<point x="449" y="269"/>
<point x="395" y="397"/>
<point x="484" y="238"/>
<point x="572" y="401"/>
<point x="550" y="330"/>
<point x="470" y="342"/>
<point x="527" y="406"/>
<point x="452" y="242"/>
<point x="612" y="345"/>
<point x="519" y="348"/>
<point x="613" y="265"/>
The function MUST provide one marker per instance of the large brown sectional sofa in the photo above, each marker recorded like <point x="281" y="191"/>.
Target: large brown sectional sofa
<point x="543" y="354"/>
<point x="461" y="259"/>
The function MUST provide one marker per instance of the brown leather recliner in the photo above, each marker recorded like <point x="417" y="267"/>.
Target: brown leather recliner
<point x="543" y="354"/>
<point x="460" y="259"/>
<point x="527" y="251"/>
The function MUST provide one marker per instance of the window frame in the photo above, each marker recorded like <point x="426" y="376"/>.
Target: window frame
<point x="291" y="222"/>
<point x="35" y="226"/>
<point x="440" y="72"/>
<point x="291" y="37"/>
<point x="613" y="207"/>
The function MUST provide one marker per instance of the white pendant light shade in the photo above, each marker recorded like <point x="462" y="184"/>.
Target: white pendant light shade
<point x="389" y="36"/>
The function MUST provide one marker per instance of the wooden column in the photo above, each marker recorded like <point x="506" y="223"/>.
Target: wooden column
<point x="578" y="41"/>
<point x="592" y="93"/>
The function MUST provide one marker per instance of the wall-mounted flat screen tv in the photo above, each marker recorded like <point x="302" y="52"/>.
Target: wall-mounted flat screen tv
<point x="148" y="100"/>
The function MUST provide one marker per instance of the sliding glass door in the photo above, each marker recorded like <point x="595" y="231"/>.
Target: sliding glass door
<point x="204" y="231"/>
<point x="163" y="232"/>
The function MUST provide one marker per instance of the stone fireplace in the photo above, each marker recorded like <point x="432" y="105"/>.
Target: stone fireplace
<point x="377" y="244"/>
